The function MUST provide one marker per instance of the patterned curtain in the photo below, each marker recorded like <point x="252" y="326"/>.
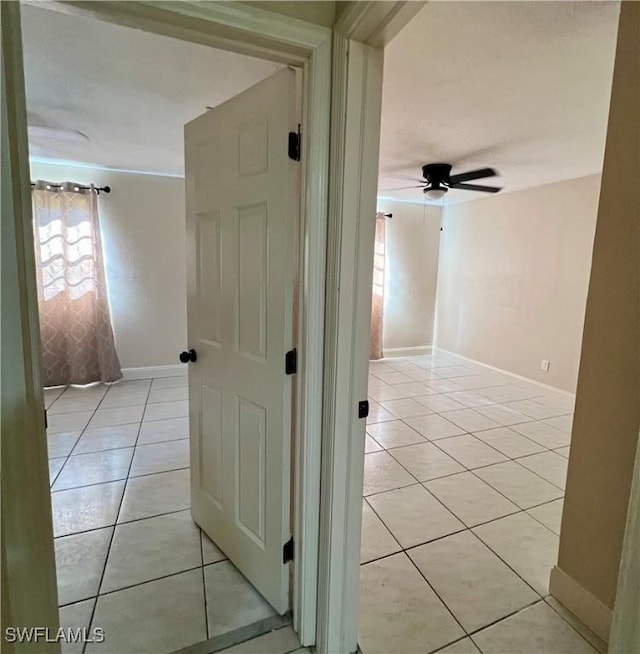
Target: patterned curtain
<point x="75" y="324"/>
<point x="377" y="296"/>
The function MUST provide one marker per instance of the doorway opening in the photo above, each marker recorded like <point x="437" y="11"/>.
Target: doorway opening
<point x="128" y="552"/>
<point x="471" y="403"/>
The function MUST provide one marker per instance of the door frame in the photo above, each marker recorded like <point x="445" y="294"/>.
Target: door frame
<point x="342" y="88"/>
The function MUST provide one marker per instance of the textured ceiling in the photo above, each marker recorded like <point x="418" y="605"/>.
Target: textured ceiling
<point x="128" y="91"/>
<point x="522" y="87"/>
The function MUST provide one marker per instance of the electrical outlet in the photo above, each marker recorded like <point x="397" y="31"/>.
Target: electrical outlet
<point x="544" y="365"/>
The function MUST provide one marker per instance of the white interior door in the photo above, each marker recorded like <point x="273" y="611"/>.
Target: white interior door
<point x="242" y="203"/>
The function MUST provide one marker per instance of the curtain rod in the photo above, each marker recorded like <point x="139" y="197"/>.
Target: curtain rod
<point x="79" y="187"/>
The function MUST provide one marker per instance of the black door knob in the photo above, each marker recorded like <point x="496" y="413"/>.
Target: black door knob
<point x="185" y="357"/>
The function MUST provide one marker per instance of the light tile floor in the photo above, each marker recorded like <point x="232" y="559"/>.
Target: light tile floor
<point x="129" y="557"/>
<point x="464" y="480"/>
<point x="464" y="483"/>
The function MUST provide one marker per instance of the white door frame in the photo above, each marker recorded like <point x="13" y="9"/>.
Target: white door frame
<point x="28" y="559"/>
<point x="336" y="221"/>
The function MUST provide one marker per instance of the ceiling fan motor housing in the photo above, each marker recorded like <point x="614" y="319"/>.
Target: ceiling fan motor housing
<point x="437" y="173"/>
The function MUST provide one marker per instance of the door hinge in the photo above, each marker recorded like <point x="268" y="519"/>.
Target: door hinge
<point x="291" y="362"/>
<point x="294" y="145"/>
<point x="287" y="551"/>
<point x="46" y="421"/>
<point x="363" y="408"/>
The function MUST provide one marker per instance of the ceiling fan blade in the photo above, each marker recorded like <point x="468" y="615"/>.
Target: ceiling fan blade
<point x="402" y="188"/>
<point x="472" y="174"/>
<point x="476" y="187"/>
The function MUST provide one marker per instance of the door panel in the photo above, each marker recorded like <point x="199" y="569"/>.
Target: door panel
<point x="251" y="291"/>
<point x="209" y="282"/>
<point x="241" y="211"/>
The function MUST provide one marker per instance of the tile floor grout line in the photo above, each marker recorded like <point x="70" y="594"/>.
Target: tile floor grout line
<point x="529" y="584"/>
<point x="516" y="424"/>
<point x="537" y="474"/>
<point x="458" y="531"/>
<point x="159" y="472"/>
<point x="80" y="435"/>
<point x="169" y="440"/>
<point x="540" y="521"/>
<point x="516" y="460"/>
<point x="453" y="642"/>
<point x="113" y="533"/>
<point x="466" y="528"/>
<point x="124" y="447"/>
<point x="545" y="448"/>
<point x="445" y="438"/>
<point x="86" y="427"/>
<point x="435" y="592"/>
<point x="475" y="632"/>
<point x="97" y="483"/>
<point x="111" y="481"/>
<point x="460" y="462"/>
<point x="453" y="474"/>
<point x="113" y="529"/>
<point x="204" y="582"/>
<point x="143" y="583"/>
<point x="127" y="522"/>
<point x="405" y="550"/>
<point x="389" y="530"/>
<point x="92" y="417"/>
<point x="472" y="471"/>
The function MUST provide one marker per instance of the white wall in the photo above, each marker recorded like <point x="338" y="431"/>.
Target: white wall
<point x="143" y="229"/>
<point x="513" y="277"/>
<point x="412" y="238"/>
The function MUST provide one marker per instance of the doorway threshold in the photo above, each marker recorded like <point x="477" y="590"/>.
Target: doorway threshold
<point x="240" y="635"/>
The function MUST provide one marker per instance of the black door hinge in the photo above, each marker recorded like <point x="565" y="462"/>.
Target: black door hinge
<point x="363" y="409"/>
<point x="287" y="551"/>
<point x="294" y="145"/>
<point x="46" y="421"/>
<point x="291" y="362"/>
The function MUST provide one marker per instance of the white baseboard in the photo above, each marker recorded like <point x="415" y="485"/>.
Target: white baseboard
<point x="583" y="604"/>
<point x="555" y="389"/>
<point x="394" y="352"/>
<point x="149" y="372"/>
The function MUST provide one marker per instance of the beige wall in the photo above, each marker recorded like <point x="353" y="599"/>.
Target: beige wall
<point x="142" y="222"/>
<point x="513" y="276"/>
<point x="605" y="429"/>
<point x="413" y="236"/>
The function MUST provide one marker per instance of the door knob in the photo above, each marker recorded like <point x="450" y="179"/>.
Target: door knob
<point x="185" y="357"/>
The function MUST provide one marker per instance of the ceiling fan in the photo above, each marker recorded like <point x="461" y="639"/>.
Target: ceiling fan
<point x="438" y="180"/>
